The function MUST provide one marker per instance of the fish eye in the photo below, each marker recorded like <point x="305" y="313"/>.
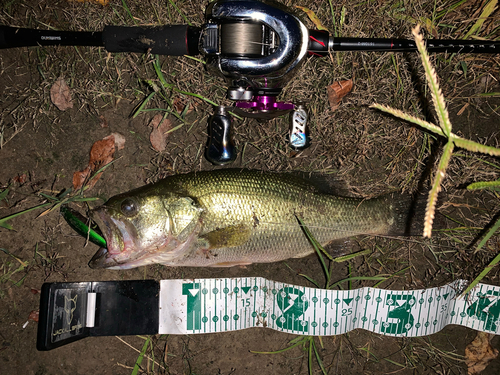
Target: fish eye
<point x="128" y="207"/>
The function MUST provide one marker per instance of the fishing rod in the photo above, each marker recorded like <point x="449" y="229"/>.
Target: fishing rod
<point x="255" y="46"/>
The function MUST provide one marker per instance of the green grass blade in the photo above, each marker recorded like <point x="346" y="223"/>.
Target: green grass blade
<point x="492" y="264"/>
<point x="308" y="278"/>
<point x="317" y="247"/>
<point x="390" y="277"/>
<point x="335" y="33"/>
<point x="459" y="142"/>
<point x="3" y="194"/>
<point x="23" y="264"/>
<point x="310" y="357"/>
<point x="3" y="220"/>
<point x="125" y="6"/>
<point x="166" y="85"/>
<point x="487" y="11"/>
<point x="140" y="108"/>
<point x="432" y="81"/>
<point x="488" y="235"/>
<point x="318" y="358"/>
<point x="449" y="9"/>
<point x="436" y="188"/>
<point x="474" y="146"/>
<point x="407" y="117"/>
<point x="137" y="365"/>
<point x="281" y="350"/>
<point x="159" y="73"/>
<point x="347" y="257"/>
<point x="395" y="363"/>
<point x="484" y="185"/>
<point x="180" y="12"/>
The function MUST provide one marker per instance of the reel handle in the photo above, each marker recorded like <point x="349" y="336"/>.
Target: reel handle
<point x="220" y="149"/>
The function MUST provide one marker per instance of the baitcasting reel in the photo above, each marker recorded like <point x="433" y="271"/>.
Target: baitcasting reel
<point x="254" y="45"/>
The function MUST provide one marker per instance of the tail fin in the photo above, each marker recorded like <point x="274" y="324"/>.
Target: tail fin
<point x="409" y="214"/>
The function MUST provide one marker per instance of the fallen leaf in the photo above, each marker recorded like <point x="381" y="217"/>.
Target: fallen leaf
<point x="158" y="136"/>
<point x="34" y="315"/>
<point x="429" y="26"/>
<point x="183" y="105"/>
<point x="313" y="17"/>
<point x="35" y="291"/>
<point x="479" y="353"/>
<point x="337" y="91"/>
<point x="101" y="154"/>
<point x="119" y="140"/>
<point x="20" y="178"/>
<point x="103" y="122"/>
<point x="60" y="94"/>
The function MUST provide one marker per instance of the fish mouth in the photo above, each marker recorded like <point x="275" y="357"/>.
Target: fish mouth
<point x="100" y="259"/>
<point x="120" y="245"/>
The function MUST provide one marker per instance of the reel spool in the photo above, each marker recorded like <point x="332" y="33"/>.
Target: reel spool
<point x="256" y="47"/>
<point x="246" y="40"/>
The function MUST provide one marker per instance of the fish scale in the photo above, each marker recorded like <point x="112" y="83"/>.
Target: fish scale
<point x="236" y="217"/>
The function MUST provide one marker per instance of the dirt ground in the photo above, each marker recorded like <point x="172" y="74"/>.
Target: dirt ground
<point x="369" y="152"/>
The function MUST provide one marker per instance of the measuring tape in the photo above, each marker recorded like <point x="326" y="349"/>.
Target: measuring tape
<point x="72" y="311"/>
<point x="221" y="305"/>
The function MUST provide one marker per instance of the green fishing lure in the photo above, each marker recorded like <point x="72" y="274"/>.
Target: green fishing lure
<point x="79" y="224"/>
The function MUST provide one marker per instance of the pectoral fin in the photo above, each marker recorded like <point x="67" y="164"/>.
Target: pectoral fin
<point x="231" y="236"/>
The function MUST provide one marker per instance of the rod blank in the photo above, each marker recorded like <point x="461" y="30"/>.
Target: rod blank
<point x="406" y="45"/>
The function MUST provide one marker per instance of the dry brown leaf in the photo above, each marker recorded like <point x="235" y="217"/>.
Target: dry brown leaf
<point x="313" y="17"/>
<point x="158" y="138"/>
<point x="20" y="178"/>
<point x="181" y="103"/>
<point x="103" y="122"/>
<point x="60" y="95"/>
<point x="337" y="91"/>
<point x="101" y="154"/>
<point x="479" y="353"/>
<point x="119" y="140"/>
<point x="34" y="315"/>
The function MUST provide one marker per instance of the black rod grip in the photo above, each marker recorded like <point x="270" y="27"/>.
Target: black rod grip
<point x="11" y="37"/>
<point x="173" y="40"/>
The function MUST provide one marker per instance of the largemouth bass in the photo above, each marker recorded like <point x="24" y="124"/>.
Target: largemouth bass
<point x="234" y="217"/>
